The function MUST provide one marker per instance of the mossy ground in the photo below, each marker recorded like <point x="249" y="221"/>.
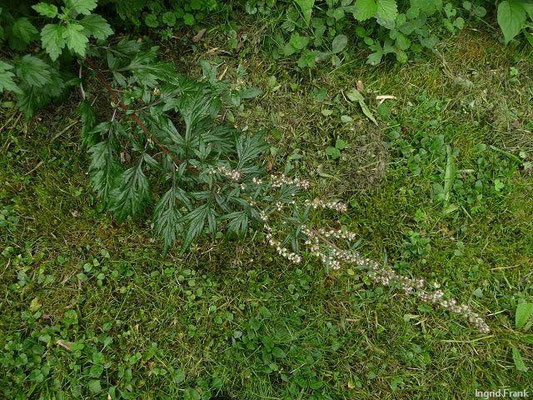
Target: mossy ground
<point x="232" y="317"/>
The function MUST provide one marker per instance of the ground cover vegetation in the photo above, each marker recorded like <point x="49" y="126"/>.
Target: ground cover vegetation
<point x="170" y="170"/>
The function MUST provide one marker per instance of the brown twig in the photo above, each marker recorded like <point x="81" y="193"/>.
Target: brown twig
<point x="101" y="77"/>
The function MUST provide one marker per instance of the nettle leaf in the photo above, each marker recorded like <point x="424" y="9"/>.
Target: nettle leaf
<point x="33" y="71"/>
<point x="132" y="194"/>
<point x="96" y="26"/>
<point x="52" y="40"/>
<point x="511" y="18"/>
<point x="365" y="9"/>
<point x="82" y="6"/>
<point x="307" y="8"/>
<point x="75" y="38"/>
<point x="6" y="78"/>
<point x="45" y="9"/>
<point x="386" y="10"/>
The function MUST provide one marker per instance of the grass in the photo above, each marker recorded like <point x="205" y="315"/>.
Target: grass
<point x="232" y="317"/>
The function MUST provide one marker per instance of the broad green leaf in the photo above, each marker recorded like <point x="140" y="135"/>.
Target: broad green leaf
<point x="333" y="152"/>
<point x="529" y="9"/>
<point x="52" y="40"/>
<point x="96" y="26"/>
<point x="169" y="18"/>
<point x="365" y="9"/>
<point x="374" y="58"/>
<point x="386" y="10"/>
<point x="518" y="361"/>
<point x="23" y="30"/>
<point x="151" y="21"/>
<point x="94" y="386"/>
<point x="307" y="8"/>
<point x="307" y="59"/>
<point x="428" y="7"/>
<point x="95" y="371"/>
<point x="250" y="93"/>
<point x="511" y="18"/>
<point x="75" y="38"/>
<point x="188" y="19"/>
<point x="339" y="43"/>
<point x="524" y="311"/>
<point x="33" y="71"/>
<point x="354" y="95"/>
<point x="298" y="42"/>
<point x="82" y="6"/>
<point x="45" y="9"/>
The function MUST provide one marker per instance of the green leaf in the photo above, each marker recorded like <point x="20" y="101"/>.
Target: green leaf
<point x="298" y="42"/>
<point x="387" y="10"/>
<point x="250" y="93"/>
<point x="307" y="59"/>
<point x="132" y="194"/>
<point x="511" y="18"/>
<point x="169" y="18"/>
<point x="339" y="43"/>
<point x="96" y="26"/>
<point x="333" y="152"/>
<point x="6" y="78"/>
<point x="88" y="121"/>
<point x="354" y="95"/>
<point x="188" y="19"/>
<point x="151" y="21"/>
<point x="94" y="386"/>
<point x="167" y="216"/>
<point x="307" y="8"/>
<point x="365" y="9"/>
<point x="104" y="169"/>
<point x="529" y="9"/>
<point x="75" y="38"/>
<point x="196" y="220"/>
<point x="95" y="371"/>
<point x="70" y="318"/>
<point x="82" y="6"/>
<point x="45" y="9"/>
<point x="524" y="312"/>
<point x="52" y="40"/>
<point x="33" y="71"/>
<point x="518" y="361"/>
<point x="22" y="29"/>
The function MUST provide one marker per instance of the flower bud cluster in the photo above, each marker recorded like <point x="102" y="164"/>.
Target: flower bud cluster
<point x="231" y="174"/>
<point x="320" y="245"/>
<point x="277" y="181"/>
<point x="331" y="205"/>
<point x="282" y="251"/>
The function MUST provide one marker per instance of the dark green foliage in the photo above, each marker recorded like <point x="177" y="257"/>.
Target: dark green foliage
<point x="172" y="152"/>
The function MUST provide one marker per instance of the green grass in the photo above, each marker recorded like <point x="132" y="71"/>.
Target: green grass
<point x="233" y="317"/>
